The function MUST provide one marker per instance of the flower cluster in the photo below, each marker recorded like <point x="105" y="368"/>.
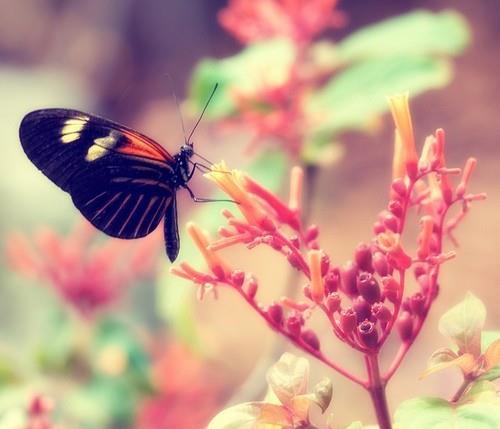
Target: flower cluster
<point x="180" y="380"/>
<point x="264" y="19"/>
<point x="363" y="299"/>
<point x="275" y="108"/>
<point x="89" y="275"/>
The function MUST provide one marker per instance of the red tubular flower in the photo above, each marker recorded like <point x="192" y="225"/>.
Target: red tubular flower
<point x="89" y="276"/>
<point x="250" y="21"/>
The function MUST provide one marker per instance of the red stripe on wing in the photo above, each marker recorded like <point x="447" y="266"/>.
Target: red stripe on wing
<point x="140" y="145"/>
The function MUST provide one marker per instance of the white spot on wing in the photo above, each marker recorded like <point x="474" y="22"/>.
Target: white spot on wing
<point x="72" y="129"/>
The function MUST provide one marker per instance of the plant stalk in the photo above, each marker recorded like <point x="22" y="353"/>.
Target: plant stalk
<point x="376" y="388"/>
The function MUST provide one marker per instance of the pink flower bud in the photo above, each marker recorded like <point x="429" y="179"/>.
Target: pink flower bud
<point x="252" y="287"/>
<point x="368" y="288"/>
<point x="367" y="333"/>
<point x="294" y="261"/>
<point x="419" y="270"/>
<point x="404" y="325"/>
<point x="399" y="187"/>
<point x="395" y="208"/>
<point x="295" y="241"/>
<point x="362" y="309"/>
<point x="363" y="257"/>
<point x="348" y="274"/>
<point x="417" y="304"/>
<point x="275" y="312"/>
<point x="333" y="302"/>
<point x="391" y="222"/>
<point x="332" y="280"/>
<point x="348" y="321"/>
<point x="381" y="312"/>
<point x="294" y="325"/>
<point x="237" y="278"/>
<point x="311" y="339"/>
<point x="311" y="233"/>
<point x="391" y="288"/>
<point x="379" y="262"/>
<point x="306" y="290"/>
<point x="378" y="228"/>
<point x="325" y="263"/>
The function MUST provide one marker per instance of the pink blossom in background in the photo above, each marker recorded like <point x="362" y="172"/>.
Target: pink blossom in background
<point x="299" y="20"/>
<point x="88" y="273"/>
<point x="188" y="392"/>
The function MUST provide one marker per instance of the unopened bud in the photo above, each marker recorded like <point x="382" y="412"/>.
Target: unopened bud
<point x="367" y="333"/>
<point x="252" y="287"/>
<point x="399" y="187"/>
<point x="395" y="208"/>
<point x="391" y="288"/>
<point x="349" y="273"/>
<point x="332" y="280"/>
<point x="325" y="264"/>
<point x="237" y="278"/>
<point x="275" y="312"/>
<point x="311" y="339"/>
<point x="306" y="290"/>
<point x="417" y="304"/>
<point x="333" y="302"/>
<point x="391" y="222"/>
<point x="381" y="312"/>
<point x="311" y="233"/>
<point x="378" y="228"/>
<point x="368" y="287"/>
<point x="348" y="321"/>
<point x="404" y="325"/>
<point x="363" y="257"/>
<point x="294" y="325"/>
<point x="380" y="265"/>
<point x="362" y="309"/>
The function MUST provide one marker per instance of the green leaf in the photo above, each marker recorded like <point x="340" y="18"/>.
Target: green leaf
<point x="463" y="324"/>
<point x="266" y="62"/>
<point x="425" y="412"/>
<point x="289" y="377"/>
<point x="354" y="97"/>
<point x="175" y="295"/>
<point x="487" y="338"/>
<point x="253" y="415"/>
<point x="414" y="34"/>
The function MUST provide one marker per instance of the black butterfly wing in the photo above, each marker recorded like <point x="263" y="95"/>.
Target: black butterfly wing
<point x="119" y="179"/>
<point x="123" y="196"/>
<point x="60" y="141"/>
<point x="171" y="231"/>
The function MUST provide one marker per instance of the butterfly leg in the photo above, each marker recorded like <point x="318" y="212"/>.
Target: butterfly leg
<point x="207" y="200"/>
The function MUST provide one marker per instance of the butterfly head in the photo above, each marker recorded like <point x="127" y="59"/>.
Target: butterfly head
<point x="187" y="150"/>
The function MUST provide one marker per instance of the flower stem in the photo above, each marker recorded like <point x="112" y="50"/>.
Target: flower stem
<point x="461" y="390"/>
<point x="376" y="388"/>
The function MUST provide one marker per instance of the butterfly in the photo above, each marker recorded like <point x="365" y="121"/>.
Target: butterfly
<point x="122" y="181"/>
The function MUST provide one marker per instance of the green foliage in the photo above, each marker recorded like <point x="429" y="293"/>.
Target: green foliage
<point x="405" y="53"/>
<point x="442" y="33"/>
<point x="268" y="62"/>
<point x="463" y="324"/>
<point x="479" y="411"/>
<point x="287" y="407"/>
<point x="352" y="98"/>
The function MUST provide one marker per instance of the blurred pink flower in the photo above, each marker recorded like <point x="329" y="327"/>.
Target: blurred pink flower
<point x="188" y="392"/>
<point x="299" y="20"/>
<point x="89" y="274"/>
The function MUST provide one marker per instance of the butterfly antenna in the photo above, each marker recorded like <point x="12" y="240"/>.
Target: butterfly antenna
<point x="202" y="112"/>
<point x="177" y="105"/>
<point x="203" y="158"/>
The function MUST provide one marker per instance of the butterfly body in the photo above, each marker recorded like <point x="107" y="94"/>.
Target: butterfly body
<point x="122" y="181"/>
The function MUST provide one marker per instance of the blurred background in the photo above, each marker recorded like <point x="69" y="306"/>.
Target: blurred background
<point x="153" y="356"/>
